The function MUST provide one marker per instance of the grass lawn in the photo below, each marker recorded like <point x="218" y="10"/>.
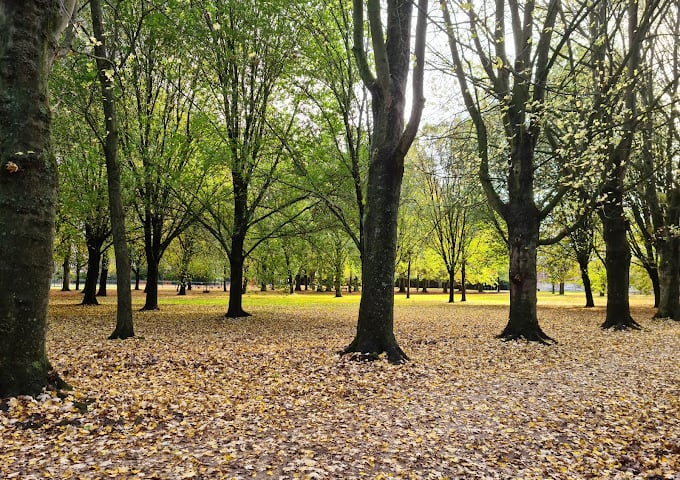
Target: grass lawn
<point x="196" y="395"/>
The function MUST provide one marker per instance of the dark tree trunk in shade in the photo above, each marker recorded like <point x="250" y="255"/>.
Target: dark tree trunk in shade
<point x="451" y="286"/>
<point x="151" y="289"/>
<point x="585" y="279"/>
<point x="235" y="309"/>
<point x="463" y="281"/>
<point x="617" y="262"/>
<point x="29" y="38"/>
<point x="103" y="274"/>
<point x="66" y="272"/>
<point x="124" y="327"/>
<point x="669" y="271"/>
<point x="92" y="275"/>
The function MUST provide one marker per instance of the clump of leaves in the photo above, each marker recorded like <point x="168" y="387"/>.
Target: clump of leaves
<point x="200" y="396"/>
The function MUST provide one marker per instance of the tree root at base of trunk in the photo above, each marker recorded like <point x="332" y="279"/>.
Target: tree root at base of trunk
<point x="530" y="335"/>
<point x="627" y="324"/>
<point x="239" y="314"/>
<point x="395" y="355"/>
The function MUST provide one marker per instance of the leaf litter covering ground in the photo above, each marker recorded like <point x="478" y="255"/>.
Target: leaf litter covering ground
<point x="200" y="396"/>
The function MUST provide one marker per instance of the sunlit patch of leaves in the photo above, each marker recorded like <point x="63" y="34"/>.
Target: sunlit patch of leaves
<point x="200" y="396"/>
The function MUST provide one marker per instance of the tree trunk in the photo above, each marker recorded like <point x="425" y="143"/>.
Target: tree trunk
<point x="523" y="224"/>
<point x="90" y="288"/>
<point x="669" y="268"/>
<point x="235" y="309"/>
<point x="463" y="281"/>
<point x="77" y="279"/>
<point x="561" y="288"/>
<point x="29" y="35"/>
<point x="451" y="286"/>
<point x="375" y="328"/>
<point x="617" y="262"/>
<point x="104" y="274"/>
<point x="585" y="278"/>
<point x="66" y="271"/>
<point x="151" y="289"/>
<point x="124" y="327"/>
<point x="408" y="279"/>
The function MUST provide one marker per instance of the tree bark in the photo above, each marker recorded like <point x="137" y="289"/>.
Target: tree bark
<point x="151" y="289"/>
<point x="66" y="272"/>
<point x="124" y="327"/>
<point x="669" y="278"/>
<point x="103" y="274"/>
<point x="452" y="282"/>
<point x="29" y="35"/>
<point x="585" y="278"/>
<point x="94" y="246"/>
<point x="523" y="225"/>
<point x="235" y="309"/>
<point x="617" y="262"/>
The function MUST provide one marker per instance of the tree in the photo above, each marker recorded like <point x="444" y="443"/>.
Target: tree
<point x="124" y="326"/>
<point x="519" y="92"/>
<point x="158" y="106"/>
<point x="30" y="32"/>
<point x="390" y="142"/>
<point x="245" y="49"/>
<point x="452" y="198"/>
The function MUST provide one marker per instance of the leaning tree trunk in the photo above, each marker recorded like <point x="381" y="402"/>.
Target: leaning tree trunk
<point x="29" y="33"/>
<point x="124" y="327"/>
<point x="585" y="278"/>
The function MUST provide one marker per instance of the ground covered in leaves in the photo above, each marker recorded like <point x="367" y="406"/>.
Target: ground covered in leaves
<point x="196" y="395"/>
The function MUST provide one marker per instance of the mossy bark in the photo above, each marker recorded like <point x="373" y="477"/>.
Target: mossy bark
<point x="28" y="192"/>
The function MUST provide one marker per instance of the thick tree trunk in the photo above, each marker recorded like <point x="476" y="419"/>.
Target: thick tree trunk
<point x="375" y="328"/>
<point x="29" y="32"/>
<point x="92" y="275"/>
<point x="669" y="271"/>
<point x="124" y="327"/>
<point x="617" y="262"/>
<point x="235" y="309"/>
<point x="151" y="302"/>
<point x="523" y="224"/>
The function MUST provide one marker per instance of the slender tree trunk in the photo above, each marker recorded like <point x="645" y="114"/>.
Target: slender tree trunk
<point x="463" y="281"/>
<point x="77" y="278"/>
<point x="561" y="288"/>
<point x="451" y="286"/>
<point x="103" y="274"/>
<point x="29" y="35"/>
<point x="66" y="271"/>
<point x="408" y="279"/>
<point x="585" y="278"/>
<point x="124" y="327"/>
